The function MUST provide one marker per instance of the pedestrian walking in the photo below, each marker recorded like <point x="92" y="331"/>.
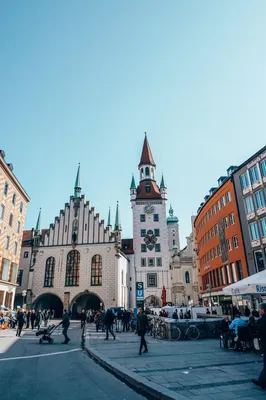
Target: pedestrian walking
<point x="142" y="327"/>
<point x="119" y="315"/>
<point x="65" y="323"/>
<point x="262" y="378"/>
<point x="38" y="319"/>
<point x="28" y="318"/>
<point x="32" y="318"/>
<point x="82" y="318"/>
<point x="20" y="321"/>
<point x="108" y="322"/>
<point x="46" y="317"/>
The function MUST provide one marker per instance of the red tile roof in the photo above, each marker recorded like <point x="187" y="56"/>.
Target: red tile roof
<point x="146" y="156"/>
<point x="154" y="191"/>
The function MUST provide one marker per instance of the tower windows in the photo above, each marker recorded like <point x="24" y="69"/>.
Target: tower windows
<point x="158" y="261"/>
<point x="151" y="262"/>
<point x="142" y="217"/>
<point x="96" y="271"/>
<point x="143" y="262"/>
<point x="143" y="248"/>
<point x="49" y="272"/>
<point x="147" y="171"/>
<point x="156" y="217"/>
<point x="152" y="280"/>
<point x="148" y="188"/>
<point x="157" y="232"/>
<point x="143" y="232"/>
<point x="157" y="247"/>
<point x="72" y="268"/>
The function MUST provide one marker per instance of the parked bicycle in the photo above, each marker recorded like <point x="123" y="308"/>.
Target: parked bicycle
<point x="191" y="332"/>
<point x="159" y="329"/>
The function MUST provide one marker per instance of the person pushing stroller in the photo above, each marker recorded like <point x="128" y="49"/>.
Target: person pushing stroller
<point x="65" y="323"/>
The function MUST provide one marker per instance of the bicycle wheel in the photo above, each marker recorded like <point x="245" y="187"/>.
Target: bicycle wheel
<point x="193" y="333"/>
<point x="175" y="333"/>
<point x="161" y="333"/>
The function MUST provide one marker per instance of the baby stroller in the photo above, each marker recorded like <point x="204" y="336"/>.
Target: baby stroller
<point x="46" y="333"/>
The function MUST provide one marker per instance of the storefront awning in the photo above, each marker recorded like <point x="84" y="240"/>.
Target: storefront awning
<point x="254" y="284"/>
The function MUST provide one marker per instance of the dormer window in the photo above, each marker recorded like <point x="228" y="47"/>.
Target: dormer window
<point x="148" y="188"/>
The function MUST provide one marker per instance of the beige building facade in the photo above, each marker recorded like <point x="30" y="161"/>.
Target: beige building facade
<point x="13" y="207"/>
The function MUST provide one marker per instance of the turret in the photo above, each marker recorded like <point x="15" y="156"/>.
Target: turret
<point x="133" y="189"/>
<point x="163" y="189"/>
<point x="77" y="188"/>
<point x="109" y="218"/>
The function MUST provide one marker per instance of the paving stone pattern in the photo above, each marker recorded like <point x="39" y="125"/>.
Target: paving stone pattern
<point x="195" y="369"/>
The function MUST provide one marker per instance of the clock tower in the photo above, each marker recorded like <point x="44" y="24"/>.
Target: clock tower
<point x="150" y="232"/>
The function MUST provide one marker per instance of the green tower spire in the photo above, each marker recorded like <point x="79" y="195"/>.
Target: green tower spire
<point x="117" y="219"/>
<point x="77" y="188"/>
<point x="133" y="184"/>
<point x="109" y="217"/>
<point x="162" y="185"/>
<point x="38" y="224"/>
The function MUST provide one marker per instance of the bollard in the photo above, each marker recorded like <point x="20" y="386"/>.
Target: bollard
<point x="83" y="336"/>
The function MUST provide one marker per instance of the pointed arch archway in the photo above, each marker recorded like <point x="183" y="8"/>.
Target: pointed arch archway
<point x="85" y="300"/>
<point x="49" y="301"/>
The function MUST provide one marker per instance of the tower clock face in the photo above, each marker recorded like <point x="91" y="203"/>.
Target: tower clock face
<point x="149" y="209"/>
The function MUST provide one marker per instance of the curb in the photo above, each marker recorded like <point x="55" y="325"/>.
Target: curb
<point x="140" y="384"/>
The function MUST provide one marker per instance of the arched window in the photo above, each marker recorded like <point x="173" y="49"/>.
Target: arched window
<point x="147" y="171"/>
<point x="72" y="268"/>
<point x="49" y="272"/>
<point x="187" y="278"/>
<point x="96" y="270"/>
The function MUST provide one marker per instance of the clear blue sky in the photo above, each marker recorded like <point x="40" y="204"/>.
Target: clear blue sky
<point x="80" y="81"/>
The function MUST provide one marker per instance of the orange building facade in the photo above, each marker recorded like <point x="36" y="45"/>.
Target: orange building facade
<point x="221" y="256"/>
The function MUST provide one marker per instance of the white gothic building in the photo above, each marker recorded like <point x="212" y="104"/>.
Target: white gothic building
<point x="77" y="262"/>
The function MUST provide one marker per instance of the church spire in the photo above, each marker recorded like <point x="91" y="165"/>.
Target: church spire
<point x="77" y="188"/>
<point x="146" y="155"/>
<point x="109" y="217"/>
<point x="38" y="224"/>
<point x="162" y="185"/>
<point x="117" y="219"/>
<point x="133" y="184"/>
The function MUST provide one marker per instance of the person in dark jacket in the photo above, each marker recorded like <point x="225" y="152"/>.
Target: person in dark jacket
<point x="38" y="319"/>
<point x="83" y="318"/>
<point x="65" y="323"/>
<point x="108" y="322"/>
<point x="224" y="327"/>
<point x="247" y="312"/>
<point x="262" y="378"/>
<point x="142" y="327"/>
<point x="20" y="321"/>
<point x="32" y="318"/>
<point x="125" y="320"/>
<point x="28" y="315"/>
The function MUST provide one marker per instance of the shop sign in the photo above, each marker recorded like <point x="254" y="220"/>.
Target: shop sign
<point x="139" y="291"/>
<point x="260" y="289"/>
